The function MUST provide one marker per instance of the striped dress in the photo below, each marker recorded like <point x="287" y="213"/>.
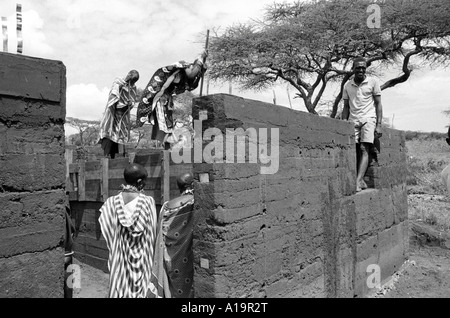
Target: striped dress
<point x="116" y="121"/>
<point x="130" y="238"/>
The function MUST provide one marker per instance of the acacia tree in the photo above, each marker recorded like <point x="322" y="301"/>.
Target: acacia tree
<point x="310" y="44"/>
<point x="88" y="130"/>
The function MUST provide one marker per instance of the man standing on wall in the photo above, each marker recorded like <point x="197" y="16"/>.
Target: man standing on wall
<point x="116" y="121"/>
<point x="362" y="106"/>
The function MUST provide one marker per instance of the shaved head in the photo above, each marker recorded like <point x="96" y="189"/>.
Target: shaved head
<point x="133" y="173"/>
<point x="185" y="181"/>
<point x="132" y="77"/>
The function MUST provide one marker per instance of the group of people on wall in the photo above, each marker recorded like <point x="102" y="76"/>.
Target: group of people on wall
<point x="151" y="255"/>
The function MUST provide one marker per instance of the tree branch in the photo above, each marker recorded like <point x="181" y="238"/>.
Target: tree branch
<point x="321" y="91"/>
<point x="406" y="71"/>
<point x="338" y="98"/>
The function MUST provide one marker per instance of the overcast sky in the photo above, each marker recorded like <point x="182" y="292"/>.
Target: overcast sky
<point x="99" y="40"/>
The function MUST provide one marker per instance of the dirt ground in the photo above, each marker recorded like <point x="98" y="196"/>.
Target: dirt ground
<point x="94" y="282"/>
<point x="427" y="274"/>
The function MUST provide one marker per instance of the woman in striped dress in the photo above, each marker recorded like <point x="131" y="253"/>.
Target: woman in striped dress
<point x="128" y="224"/>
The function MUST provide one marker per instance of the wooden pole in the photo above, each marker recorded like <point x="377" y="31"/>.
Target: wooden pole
<point x="105" y="179"/>
<point x="204" y="61"/>
<point x="165" y="176"/>
<point x="68" y="156"/>
<point x="19" y="29"/>
<point x="82" y="181"/>
<point x="289" y="96"/>
<point x="5" y="33"/>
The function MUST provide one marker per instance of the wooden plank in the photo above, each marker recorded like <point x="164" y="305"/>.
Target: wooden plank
<point x="82" y="182"/>
<point x="105" y="179"/>
<point x="93" y="175"/>
<point x="148" y="159"/>
<point x="119" y="163"/>
<point x="93" y="191"/>
<point x="88" y="249"/>
<point x="153" y="172"/>
<point x="176" y="170"/>
<point x="74" y="168"/>
<point x="93" y="261"/>
<point x="165" y="176"/>
<point x="116" y="184"/>
<point x="68" y="156"/>
<point x="92" y="166"/>
<point x="73" y="196"/>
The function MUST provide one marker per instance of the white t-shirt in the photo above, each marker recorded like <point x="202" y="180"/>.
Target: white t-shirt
<point x="361" y="98"/>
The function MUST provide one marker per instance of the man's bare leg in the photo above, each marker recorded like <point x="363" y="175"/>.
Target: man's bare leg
<point x="362" y="166"/>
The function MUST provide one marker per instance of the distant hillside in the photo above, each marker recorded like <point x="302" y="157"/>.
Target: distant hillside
<point x="412" y="135"/>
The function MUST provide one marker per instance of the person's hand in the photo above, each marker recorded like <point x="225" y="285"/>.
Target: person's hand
<point x="204" y="55"/>
<point x="378" y="132"/>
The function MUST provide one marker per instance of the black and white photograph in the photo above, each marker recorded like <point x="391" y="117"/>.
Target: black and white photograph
<point x="229" y="154"/>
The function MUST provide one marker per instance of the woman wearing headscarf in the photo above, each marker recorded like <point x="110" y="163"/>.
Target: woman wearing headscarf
<point x="156" y="105"/>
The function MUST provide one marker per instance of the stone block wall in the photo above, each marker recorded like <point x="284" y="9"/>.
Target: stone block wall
<point x="302" y="231"/>
<point x="32" y="176"/>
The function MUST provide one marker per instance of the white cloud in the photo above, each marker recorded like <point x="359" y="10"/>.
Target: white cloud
<point x="99" y="40"/>
<point x="418" y="103"/>
<point x="34" y="39"/>
<point x="86" y="101"/>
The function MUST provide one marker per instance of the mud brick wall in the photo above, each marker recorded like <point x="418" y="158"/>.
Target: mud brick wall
<point x="32" y="176"/>
<point x="303" y="231"/>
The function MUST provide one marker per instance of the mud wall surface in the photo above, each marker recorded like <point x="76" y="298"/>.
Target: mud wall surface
<point x="32" y="176"/>
<point x="302" y="231"/>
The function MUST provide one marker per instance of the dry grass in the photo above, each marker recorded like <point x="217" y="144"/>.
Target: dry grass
<point x="428" y="199"/>
<point x="426" y="160"/>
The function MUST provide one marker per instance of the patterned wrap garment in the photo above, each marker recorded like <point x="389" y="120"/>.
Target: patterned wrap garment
<point x="130" y="239"/>
<point x="156" y="104"/>
<point x="173" y="269"/>
<point x="116" y="121"/>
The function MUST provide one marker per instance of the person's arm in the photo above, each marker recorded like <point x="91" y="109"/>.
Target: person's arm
<point x="114" y="94"/>
<point x="163" y="89"/>
<point x="346" y="110"/>
<point x="198" y="70"/>
<point x="379" y="112"/>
